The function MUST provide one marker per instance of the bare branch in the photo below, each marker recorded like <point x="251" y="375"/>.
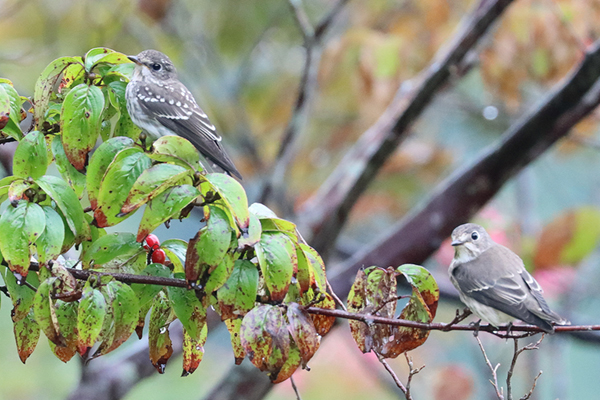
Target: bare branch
<point x="528" y="395"/>
<point x="516" y="354"/>
<point x="298" y="397"/>
<point x="411" y="372"/>
<point x="494" y="382"/>
<point x="328" y="210"/>
<point x="308" y="82"/>
<point x="302" y="19"/>
<point x="393" y="375"/>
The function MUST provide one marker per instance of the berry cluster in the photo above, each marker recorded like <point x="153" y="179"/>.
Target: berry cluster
<point x="153" y="246"/>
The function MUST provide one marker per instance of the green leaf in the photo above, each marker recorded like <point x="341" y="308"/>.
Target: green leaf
<point x="233" y="326"/>
<point x="31" y="156"/>
<point x="68" y="203"/>
<point x="266" y="339"/>
<point x="126" y="311"/>
<point x="44" y="87"/>
<point x="145" y="293"/>
<point x="66" y="323"/>
<point x="178" y="150"/>
<point x="124" y="125"/>
<point x="154" y="181"/>
<point x="100" y="55"/>
<point x="19" y="228"/>
<point x="103" y="156"/>
<point x="49" y="244"/>
<point x="69" y="173"/>
<point x="421" y="307"/>
<point x="12" y="128"/>
<point x="303" y="332"/>
<point x="215" y="239"/>
<point x="5" y="184"/>
<point x="175" y="250"/>
<point x="316" y="267"/>
<point x="277" y="258"/>
<point x="27" y="334"/>
<point x="165" y="206"/>
<point x="80" y="120"/>
<point x="424" y="283"/>
<point x="233" y="195"/>
<point x="17" y="189"/>
<point x="251" y="236"/>
<point x="218" y="276"/>
<point x="238" y="294"/>
<point x="21" y="295"/>
<point x="188" y="309"/>
<point x="109" y="247"/>
<point x="92" y="310"/>
<point x="116" y="184"/>
<point x="193" y="351"/>
<point x="42" y="310"/>
<point x="372" y="288"/>
<point x="159" y="342"/>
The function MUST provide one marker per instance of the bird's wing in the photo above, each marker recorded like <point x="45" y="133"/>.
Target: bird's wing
<point x="510" y="290"/>
<point x="175" y="108"/>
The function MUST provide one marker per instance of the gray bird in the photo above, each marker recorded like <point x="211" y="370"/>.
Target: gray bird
<point x="161" y="105"/>
<point x="493" y="282"/>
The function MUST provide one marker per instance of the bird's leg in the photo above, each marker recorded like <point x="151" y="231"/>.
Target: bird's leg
<point x="477" y="325"/>
<point x="509" y="328"/>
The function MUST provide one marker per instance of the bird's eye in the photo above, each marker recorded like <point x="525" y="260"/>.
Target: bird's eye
<point x="156" y="66"/>
<point x="474" y="235"/>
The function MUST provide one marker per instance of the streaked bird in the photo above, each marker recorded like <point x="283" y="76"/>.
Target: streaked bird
<point x="161" y="105"/>
<point x="493" y="282"/>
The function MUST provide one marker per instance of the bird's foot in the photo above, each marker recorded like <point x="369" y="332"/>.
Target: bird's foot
<point x="477" y="325"/>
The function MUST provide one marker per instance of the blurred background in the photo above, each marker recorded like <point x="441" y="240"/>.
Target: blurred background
<point x="244" y="60"/>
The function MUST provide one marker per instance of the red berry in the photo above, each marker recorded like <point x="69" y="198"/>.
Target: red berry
<point x="159" y="256"/>
<point x="152" y="242"/>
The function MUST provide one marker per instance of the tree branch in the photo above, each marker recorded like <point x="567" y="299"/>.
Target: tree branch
<point x="327" y="211"/>
<point x="313" y="39"/>
<point x="462" y="194"/>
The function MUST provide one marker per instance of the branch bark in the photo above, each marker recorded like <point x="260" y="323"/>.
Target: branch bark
<point x="463" y="193"/>
<point x="327" y="211"/>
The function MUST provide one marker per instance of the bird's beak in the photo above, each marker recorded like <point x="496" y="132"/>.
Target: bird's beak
<point x="135" y="60"/>
<point x="457" y="242"/>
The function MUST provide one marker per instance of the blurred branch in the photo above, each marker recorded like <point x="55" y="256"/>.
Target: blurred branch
<point x="113" y="377"/>
<point x="516" y="353"/>
<point x="327" y="211"/>
<point x="313" y="41"/>
<point x="462" y="194"/>
<point x="494" y="380"/>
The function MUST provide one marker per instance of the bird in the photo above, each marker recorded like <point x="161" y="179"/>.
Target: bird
<point x="493" y="282"/>
<point x="159" y="104"/>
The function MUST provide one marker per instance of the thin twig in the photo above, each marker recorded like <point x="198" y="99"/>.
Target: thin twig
<point x="308" y="82"/>
<point x="528" y="395"/>
<point x="335" y="297"/>
<point x="298" y="397"/>
<point x="302" y="19"/>
<point x="411" y="372"/>
<point x="386" y="302"/>
<point x="7" y="140"/>
<point x="494" y="382"/>
<point x="516" y="354"/>
<point x="393" y="375"/>
<point x="459" y="317"/>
